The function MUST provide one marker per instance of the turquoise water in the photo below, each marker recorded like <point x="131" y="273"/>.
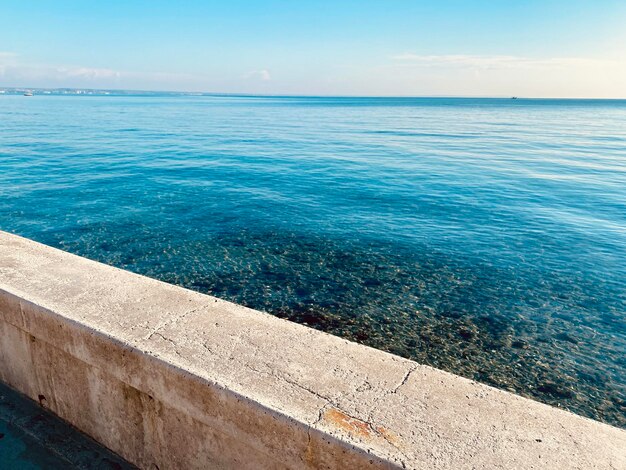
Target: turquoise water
<point x="485" y="237"/>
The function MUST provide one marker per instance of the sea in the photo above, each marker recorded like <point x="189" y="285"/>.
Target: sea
<point x="485" y="237"/>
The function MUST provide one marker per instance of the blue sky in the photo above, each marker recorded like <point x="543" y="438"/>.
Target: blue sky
<point x="564" y="48"/>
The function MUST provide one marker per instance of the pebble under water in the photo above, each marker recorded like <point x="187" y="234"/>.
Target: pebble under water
<point x="484" y="237"/>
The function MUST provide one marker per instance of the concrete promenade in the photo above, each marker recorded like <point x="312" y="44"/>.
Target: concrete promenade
<point x="173" y="379"/>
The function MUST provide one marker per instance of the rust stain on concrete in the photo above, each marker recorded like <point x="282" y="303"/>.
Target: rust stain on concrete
<point x="390" y="437"/>
<point x="358" y="428"/>
<point x="347" y="423"/>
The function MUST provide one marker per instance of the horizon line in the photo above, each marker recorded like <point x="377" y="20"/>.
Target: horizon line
<point x="282" y="95"/>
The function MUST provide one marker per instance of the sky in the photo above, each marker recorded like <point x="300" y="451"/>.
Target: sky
<point x="526" y="48"/>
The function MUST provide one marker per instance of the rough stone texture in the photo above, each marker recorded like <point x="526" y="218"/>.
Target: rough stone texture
<point x="171" y="378"/>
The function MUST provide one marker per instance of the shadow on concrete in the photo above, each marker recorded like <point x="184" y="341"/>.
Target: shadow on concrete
<point x="33" y="438"/>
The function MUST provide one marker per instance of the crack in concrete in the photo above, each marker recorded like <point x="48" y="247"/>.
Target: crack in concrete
<point x="329" y="403"/>
<point x="170" y="322"/>
<point x="22" y="314"/>
<point x="333" y="403"/>
<point x="370" y="418"/>
<point x="393" y="391"/>
<point x="307" y="453"/>
<point x="405" y="378"/>
<point x="307" y="389"/>
<point x="271" y="373"/>
<point x="204" y="345"/>
<point x="156" y="333"/>
<point x="320" y="415"/>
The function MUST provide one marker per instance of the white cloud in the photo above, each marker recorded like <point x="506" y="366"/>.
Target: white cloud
<point x="263" y="75"/>
<point x="88" y="73"/>
<point x="497" y="61"/>
<point x="15" y="72"/>
<point x="502" y="75"/>
<point x="404" y="74"/>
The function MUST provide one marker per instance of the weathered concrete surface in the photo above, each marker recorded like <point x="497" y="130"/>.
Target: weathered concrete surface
<point x="169" y="377"/>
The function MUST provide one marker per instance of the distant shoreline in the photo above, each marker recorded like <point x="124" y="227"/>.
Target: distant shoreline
<point x="120" y="92"/>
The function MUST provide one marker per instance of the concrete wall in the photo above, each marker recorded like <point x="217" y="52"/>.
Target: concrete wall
<point x="169" y="378"/>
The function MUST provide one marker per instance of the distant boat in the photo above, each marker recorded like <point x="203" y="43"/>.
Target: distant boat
<point x="28" y="93"/>
<point x="513" y="97"/>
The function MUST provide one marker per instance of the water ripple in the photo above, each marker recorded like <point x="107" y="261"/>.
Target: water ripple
<point x="484" y="237"/>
